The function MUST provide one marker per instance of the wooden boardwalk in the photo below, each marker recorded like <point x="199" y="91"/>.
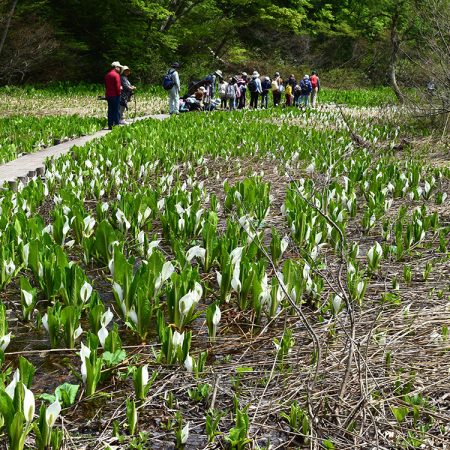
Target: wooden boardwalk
<point x="32" y="164"/>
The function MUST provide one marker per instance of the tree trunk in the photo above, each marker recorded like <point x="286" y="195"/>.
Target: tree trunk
<point x="8" y="23"/>
<point x="394" y="59"/>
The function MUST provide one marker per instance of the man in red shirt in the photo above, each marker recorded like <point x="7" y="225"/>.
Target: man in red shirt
<point x="113" y="88"/>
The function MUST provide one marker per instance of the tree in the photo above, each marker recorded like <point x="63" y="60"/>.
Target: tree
<point x="7" y="24"/>
<point x="27" y="40"/>
<point x="429" y="58"/>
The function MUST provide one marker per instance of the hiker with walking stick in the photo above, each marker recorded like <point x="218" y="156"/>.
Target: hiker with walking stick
<point x="127" y="92"/>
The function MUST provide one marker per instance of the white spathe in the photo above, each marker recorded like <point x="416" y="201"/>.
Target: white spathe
<point x="45" y="321"/>
<point x="177" y="339"/>
<point x="102" y="335"/>
<point x="4" y="341"/>
<point x="133" y="316"/>
<point x="236" y="255"/>
<point x="186" y="302"/>
<point x="78" y="332"/>
<point x="85" y="352"/>
<point x="216" y="316"/>
<point x="196" y="251"/>
<point x="189" y="364"/>
<point x="185" y="434"/>
<point x="106" y="318"/>
<point x="29" y="404"/>
<point x="52" y="413"/>
<point x="12" y="386"/>
<point x="167" y="270"/>
<point x="145" y="375"/>
<point x="85" y="292"/>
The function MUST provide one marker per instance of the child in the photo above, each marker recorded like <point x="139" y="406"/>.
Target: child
<point x="297" y="93"/>
<point x="288" y="95"/>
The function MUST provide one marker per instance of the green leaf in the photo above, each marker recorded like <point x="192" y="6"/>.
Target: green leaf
<point x="112" y="359"/>
<point x="67" y="393"/>
<point x="27" y="371"/>
<point x="47" y="397"/>
<point x="400" y="413"/>
<point x="6" y="407"/>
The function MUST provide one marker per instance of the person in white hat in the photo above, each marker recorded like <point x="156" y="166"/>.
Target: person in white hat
<point x="200" y="95"/>
<point x="254" y="86"/>
<point x="277" y="85"/>
<point x="112" y="94"/>
<point x="174" y="91"/>
<point x="127" y="91"/>
<point x="306" y="88"/>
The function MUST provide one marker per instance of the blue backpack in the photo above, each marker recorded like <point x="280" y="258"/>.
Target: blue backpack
<point x="168" y="82"/>
<point x="306" y="86"/>
<point x="252" y="86"/>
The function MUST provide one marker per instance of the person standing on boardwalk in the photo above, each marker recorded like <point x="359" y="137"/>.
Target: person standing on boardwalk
<point x="277" y="82"/>
<point x="291" y="81"/>
<point x="232" y="93"/>
<point x="306" y="88"/>
<point x="265" y="86"/>
<point x="288" y="94"/>
<point x="254" y="86"/>
<point x="315" y="83"/>
<point x="242" y="85"/>
<point x="112" y="94"/>
<point x="174" y="91"/>
<point x="127" y="91"/>
<point x="223" y="93"/>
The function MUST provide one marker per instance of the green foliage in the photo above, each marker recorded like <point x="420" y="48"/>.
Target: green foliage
<point x="21" y="134"/>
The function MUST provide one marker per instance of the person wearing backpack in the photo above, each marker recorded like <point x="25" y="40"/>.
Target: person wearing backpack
<point x="276" y="83"/>
<point x="242" y="85"/>
<point x="291" y="81"/>
<point x="315" y="83"/>
<point x="265" y="86"/>
<point x="223" y="94"/>
<point x="171" y="83"/>
<point x="254" y="86"/>
<point x="231" y="93"/>
<point x="306" y="88"/>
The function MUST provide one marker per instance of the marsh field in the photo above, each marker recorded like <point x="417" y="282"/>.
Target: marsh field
<point x="270" y="279"/>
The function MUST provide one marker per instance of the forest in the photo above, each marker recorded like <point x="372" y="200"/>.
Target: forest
<point x="271" y="276"/>
<point x="352" y="42"/>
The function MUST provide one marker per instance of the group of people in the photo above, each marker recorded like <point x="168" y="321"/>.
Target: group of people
<point x="118" y="93"/>
<point x="215" y="91"/>
<point x="233" y="93"/>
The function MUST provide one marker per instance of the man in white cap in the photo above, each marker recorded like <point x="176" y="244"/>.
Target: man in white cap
<point x="113" y="88"/>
